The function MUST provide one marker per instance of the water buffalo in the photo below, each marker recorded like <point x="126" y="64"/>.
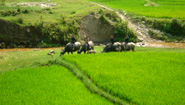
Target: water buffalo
<point x="69" y="48"/>
<point x="86" y="47"/>
<point x="115" y="47"/>
<point x="130" y="46"/>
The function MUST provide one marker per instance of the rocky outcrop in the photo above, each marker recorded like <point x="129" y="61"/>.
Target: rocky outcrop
<point x="97" y="30"/>
<point x="22" y="36"/>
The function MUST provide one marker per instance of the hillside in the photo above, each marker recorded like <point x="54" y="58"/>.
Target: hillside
<point x="43" y="23"/>
<point x="159" y="19"/>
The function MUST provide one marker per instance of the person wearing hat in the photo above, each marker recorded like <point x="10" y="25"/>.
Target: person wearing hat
<point x="73" y="40"/>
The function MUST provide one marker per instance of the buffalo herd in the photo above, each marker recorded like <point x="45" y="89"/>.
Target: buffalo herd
<point x="89" y="47"/>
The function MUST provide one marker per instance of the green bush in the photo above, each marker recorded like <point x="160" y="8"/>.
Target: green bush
<point x="62" y="20"/>
<point x="2" y="2"/>
<point x="103" y="19"/>
<point x="73" y="12"/>
<point x="112" y="16"/>
<point x="9" y="13"/>
<point x="57" y="33"/>
<point x="20" y="20"/>
<point x="176" y="27"/>
<point x="43" y="44"/>
<point x="101" y="12"/>
<point x="121" y="30"/>
<point x="19" y="10"/>
<point x="25" y="11"/>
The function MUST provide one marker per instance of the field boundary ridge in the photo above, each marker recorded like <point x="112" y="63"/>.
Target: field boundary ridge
<point x="90" y="85"/>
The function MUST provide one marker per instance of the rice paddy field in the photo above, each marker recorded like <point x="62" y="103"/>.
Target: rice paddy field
<point x="149" y="8"/>
<point x="45" y="85"/>
<point x="149" y="76"/>
<point x="155" y="77"/>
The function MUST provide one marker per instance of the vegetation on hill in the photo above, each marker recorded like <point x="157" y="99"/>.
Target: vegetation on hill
<point x="166" y="16"/>
<point x="56" y="23"/>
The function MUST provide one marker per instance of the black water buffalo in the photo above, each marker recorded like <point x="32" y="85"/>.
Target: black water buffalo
<point x="69" y="48"/>
<point x="86" y="47"/>
<point x="130" y="46"/>
<point x="115" y="47"/>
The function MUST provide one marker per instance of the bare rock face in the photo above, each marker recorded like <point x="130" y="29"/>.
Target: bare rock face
<point x="11" y="33"/>
<point x="95" y="29"/>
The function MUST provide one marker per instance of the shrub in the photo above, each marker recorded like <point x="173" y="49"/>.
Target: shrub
<point x="155" y="35"/>
<point x="19" y="10"/>
<point x="26" y="11"/>
<point x="121" y="30"/>
<point x="50" y="12"/>
<point x="42" y="44"/>
<point x="103" y="19"/>
<point x="20" y="20"/>
<point x="9" y="13"/>
<point x="101" y="12"/>
<point x="2" y="2"/>
<point x="176" y="27"/>
<point x="62" y="20"/>
<point x="73" y="12"/>
<point x="113" y="16"/>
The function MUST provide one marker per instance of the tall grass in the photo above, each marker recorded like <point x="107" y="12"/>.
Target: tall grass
<point x="166" y="8"/>
<point x="45" y="85"/>
<point x="152" y="78"/>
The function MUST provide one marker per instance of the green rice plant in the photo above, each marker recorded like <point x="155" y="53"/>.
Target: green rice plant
<point x="148" y="76"/>
<point x="45" y="85"/>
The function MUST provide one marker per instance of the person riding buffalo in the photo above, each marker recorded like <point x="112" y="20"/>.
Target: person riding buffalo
<point x="73" y="40"/>
<point x="111" y="40"/>
<point x="126" y="41"/>
<point x="87" y="41"/>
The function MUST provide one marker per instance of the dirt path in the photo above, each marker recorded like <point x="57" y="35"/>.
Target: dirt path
<point x="164" y="45"/>
<point x="141" y="30"/>
<point x="151" y="3"/>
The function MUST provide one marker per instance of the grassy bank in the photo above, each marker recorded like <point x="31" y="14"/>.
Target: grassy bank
<point x="45" y="85"/>
<point x="152" y="77"/>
